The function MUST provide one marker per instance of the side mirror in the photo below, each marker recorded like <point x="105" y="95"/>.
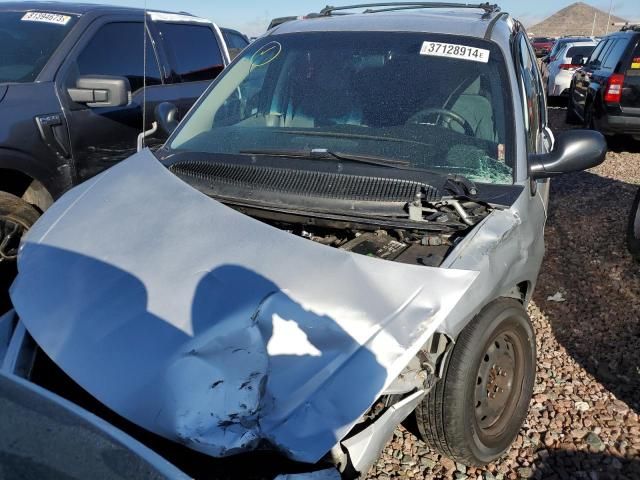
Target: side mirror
<point x="101" y="91"/>
<point x="166" y="114"/>
<point x="578" y="60"/>
<point x="573" y="151"/>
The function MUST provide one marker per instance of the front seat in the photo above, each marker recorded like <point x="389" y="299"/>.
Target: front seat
<point x="476" y="109"/>
<point x="322" y="96"/>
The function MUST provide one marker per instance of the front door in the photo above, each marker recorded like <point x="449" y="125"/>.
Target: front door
<point x="103" y="136"/>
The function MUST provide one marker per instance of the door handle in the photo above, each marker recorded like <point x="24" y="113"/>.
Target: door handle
<point x="53" y="131"/>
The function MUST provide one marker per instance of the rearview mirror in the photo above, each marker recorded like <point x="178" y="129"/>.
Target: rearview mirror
<point x="573" y="151"/>
<point x="101" y="91"/>
<point x="578" y="60"/>
<point x="166" y="114"/>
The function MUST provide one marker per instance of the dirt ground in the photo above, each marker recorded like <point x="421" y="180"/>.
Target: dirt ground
<point x="583" y="419"/>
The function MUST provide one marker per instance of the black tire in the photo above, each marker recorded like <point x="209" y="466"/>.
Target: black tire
<point x="448" y="419"/>
<point x="13" y="211"/>
<point x="633" y="230"/>
<point x="571" y="118"/>
<point x="16" y="210"/>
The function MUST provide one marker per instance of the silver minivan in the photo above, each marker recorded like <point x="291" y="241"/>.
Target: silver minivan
<point x="346" y="229"/>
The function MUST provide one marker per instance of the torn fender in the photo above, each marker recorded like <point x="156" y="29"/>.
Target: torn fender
<point x="211" y="328"/>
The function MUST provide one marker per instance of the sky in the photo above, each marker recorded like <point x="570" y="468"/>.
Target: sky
<point x="252" y="16"/>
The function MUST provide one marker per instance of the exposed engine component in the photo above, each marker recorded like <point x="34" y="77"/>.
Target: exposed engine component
<point x="451" y="219"/>
<point x="386" y="247"/>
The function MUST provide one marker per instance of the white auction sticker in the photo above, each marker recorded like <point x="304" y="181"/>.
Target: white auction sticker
<point x="45" y="17"/>
<point x="449" y="50"/>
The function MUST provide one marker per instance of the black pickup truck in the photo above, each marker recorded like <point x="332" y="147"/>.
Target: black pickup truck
<point x="605" y="93"/>
<point x="72" y="88"/>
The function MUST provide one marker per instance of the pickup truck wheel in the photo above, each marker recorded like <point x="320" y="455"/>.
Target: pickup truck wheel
<point x="633" y="231"/>
<point x="16" y="217"/>
<point x="473" y="414"/>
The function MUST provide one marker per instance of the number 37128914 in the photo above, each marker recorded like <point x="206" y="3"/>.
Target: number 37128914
<point x="449" y="50"/>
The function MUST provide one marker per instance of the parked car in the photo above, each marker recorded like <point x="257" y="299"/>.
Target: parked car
<point x="559" y="44"/>
<point x="542" y="45"/>
<point x="605" y="93"/>
<point x="346" y="228"/>
<point x="235" y="41"/>
<point x="560" y="72"/>
<point x="71" y="93"/>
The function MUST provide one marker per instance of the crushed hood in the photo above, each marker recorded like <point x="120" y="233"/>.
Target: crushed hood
<point x="211" y="328"/>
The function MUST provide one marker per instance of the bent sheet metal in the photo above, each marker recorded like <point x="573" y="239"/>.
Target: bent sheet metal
<point x="211" y="328"/>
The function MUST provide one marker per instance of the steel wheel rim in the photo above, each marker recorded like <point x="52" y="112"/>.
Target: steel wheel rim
<point x="11" y="232"/>
<point x="499" y="383"/>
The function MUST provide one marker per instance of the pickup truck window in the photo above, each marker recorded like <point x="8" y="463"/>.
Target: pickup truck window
<point x="26" y="46"/>
<point x="194" y="51"/>
<point x="118" y="49"/>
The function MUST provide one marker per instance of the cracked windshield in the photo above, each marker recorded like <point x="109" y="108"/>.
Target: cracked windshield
<point x="414" y="101"/>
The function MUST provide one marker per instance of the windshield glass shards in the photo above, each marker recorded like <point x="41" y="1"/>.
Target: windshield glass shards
<point x="432" y="102"/>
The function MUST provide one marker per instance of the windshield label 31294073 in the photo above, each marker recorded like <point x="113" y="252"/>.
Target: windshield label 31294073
<point x="449" y="50"/>
<point x="46" y="18"/>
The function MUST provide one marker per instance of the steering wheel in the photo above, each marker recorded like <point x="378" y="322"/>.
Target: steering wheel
<point x="422" y="115"/>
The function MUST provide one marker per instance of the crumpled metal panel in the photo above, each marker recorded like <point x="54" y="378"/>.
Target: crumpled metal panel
<point x="213" y="329"/>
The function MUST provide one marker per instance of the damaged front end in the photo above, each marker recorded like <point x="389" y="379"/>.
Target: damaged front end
<point x="225" y="334"/>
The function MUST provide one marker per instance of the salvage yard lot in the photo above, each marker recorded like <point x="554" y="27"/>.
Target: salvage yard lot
<point x="583" y="419"/>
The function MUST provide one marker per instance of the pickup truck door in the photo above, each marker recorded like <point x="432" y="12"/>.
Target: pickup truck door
<point x="114" y="46"/>
<point x="194" y="53"/>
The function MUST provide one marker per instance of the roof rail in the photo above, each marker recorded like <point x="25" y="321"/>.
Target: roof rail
<point x="389" y="7"/>
<point x="630" y="26"/>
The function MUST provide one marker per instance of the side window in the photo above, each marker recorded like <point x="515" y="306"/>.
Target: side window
<point x="235" y="43"/>
<point x="561" y="52"/>
<point x="531" y="92"/>
<point x="613" y="57"/>
<point x="118" y="49"/>
<point x="194" y="51"/>
<point x="596" y="57"/>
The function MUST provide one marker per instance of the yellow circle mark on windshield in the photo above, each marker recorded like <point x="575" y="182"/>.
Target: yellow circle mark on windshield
<point x="266" y="54"/>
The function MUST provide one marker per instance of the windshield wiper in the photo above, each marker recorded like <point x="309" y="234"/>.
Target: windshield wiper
<point x="325" y="154"/>
<point x="460" y="186"/>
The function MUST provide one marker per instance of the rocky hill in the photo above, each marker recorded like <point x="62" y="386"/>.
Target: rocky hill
<point x="576" y="19"/>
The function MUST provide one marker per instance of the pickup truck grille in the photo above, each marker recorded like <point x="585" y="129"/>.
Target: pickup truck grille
<point x="306" y="183"/>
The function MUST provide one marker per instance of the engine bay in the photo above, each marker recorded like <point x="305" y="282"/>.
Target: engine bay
<point x="426" y="238"/>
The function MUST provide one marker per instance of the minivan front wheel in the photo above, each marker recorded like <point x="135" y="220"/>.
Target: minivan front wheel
<point x="473" y="414"/>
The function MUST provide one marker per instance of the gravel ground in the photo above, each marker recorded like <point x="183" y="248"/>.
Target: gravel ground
<point x="583" y="420"/>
